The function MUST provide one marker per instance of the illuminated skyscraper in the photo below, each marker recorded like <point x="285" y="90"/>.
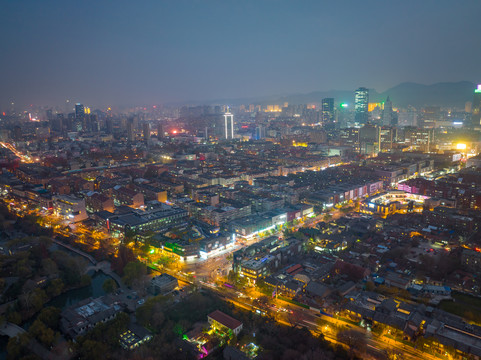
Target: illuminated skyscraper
<point x="260" y="132"/>
<point x="229" y="125"/>
<point x="79" y="117"/>
<point x="342" y="116"/>
<point x="387" y="115"/>
<point x="79" y="110"/>
<point x="327" y="106"/>
<point x="361" y="103"/>
<point x="476" y="108"/>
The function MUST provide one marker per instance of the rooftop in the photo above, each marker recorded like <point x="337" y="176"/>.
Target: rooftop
<point x="225" y="319"/>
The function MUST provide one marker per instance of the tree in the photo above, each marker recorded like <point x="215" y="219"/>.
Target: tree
<point x="109" y="286"/>
<point x="158" y="318"/>
<point x="299" y="236"/>
<point x="55" y="287"/>
<point x="134" y="270"/>
<point x="370" y="286"/>
<point x="49" y="267"/>
<point x="71" y="268"/>
<point x="14" y="317"/>
<point x="263" y="300"/>
<point x="39" y="298"/>
<point x="263" y="287"/>
<point x="293" y="318"/>
<point x="124" y="256"/>
<point x="85" y="280"/>
<point x="17" y="346"/>
<point x="130" y="235"/>
<point x="41" y="332"/>
<point x="50" y="316"/>
<point x="354" y="339"/>
<point x="92" y="349"/>
<point x="326" y="217"/>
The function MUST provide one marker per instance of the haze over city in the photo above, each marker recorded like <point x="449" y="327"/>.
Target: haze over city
<point x="150" y="52"/>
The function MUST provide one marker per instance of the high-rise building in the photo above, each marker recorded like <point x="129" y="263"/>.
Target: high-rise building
<point x="327" y="108"/>
<point x="388" y="137"/>
<point x="70" y="122"/>
<point x="361" y="103"/>
<point x="419" y="139"/>
<point x="387" y="115"/>
<point x="350" y="137"/>
<point x="79" y="110"/>
<point x="160" y="131"/>
<point x="79" y="117"/>
<point x="260" y="132"/>
<point x="342" y="116"/>
<point x="49" y="114"/>
<point x="408" y="117"/>
<point x="476" y="108"/>
<point x="370" y="139"/>
<point x="229" y="125"/>
<point x="146" y="131"/>
<point x="60" y="122"/>
<point x="94" y="124"/>
<point x="130" y="130"/>
<point x="431" y="115"/>
<point x="56" y="122"/>
<point x="17" y="133"/>
<point x="109" y="125"/>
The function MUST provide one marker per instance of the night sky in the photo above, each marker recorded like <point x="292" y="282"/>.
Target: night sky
<point x="144" y="52"/>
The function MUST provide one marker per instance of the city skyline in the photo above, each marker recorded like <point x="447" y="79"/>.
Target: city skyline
<point x="250" y="180"/>
<point x="198" y="51"/>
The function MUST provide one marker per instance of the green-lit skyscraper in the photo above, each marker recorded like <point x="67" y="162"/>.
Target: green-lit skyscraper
<point x="361" y="101"/>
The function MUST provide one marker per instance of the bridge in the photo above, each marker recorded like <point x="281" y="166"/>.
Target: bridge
<point x="104" y="266"/>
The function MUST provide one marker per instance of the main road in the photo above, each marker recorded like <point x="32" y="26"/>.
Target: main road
<point x="299" y="316"/>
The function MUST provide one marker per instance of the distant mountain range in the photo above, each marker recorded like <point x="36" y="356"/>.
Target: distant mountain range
<point x="446" y="94"/>
<point x="442" y="94"/>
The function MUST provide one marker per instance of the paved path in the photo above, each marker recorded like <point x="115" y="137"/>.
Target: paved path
<point x="103" y="266"/>
<point x="9" y="329"/>
<point x="77" y="251"/>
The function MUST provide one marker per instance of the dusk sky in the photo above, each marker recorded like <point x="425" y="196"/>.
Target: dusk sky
<point x="145" y="52"/>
